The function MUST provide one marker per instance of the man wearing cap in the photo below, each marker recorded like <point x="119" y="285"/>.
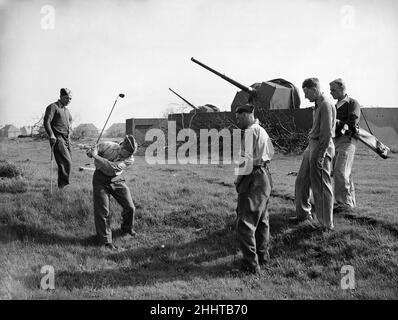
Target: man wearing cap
<point x="348" y="113"/>
<point x="315" y="169"/>
<point x="57" y="123"/>
<point x="253" y="184"/>
<point x="111" y="159"/>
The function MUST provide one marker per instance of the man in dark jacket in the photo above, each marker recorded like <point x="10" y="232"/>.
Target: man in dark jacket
<point x="348" y="113"/>
<point x="57" y="122"/>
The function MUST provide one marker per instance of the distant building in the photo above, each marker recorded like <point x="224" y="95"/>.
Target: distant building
<point x="116" y="130"/>
<point x="9" y="131"/>
<point x="26" y="130"/>
<point x="85" y="130"/>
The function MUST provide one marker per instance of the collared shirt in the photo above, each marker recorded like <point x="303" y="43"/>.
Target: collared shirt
<point x="348" y="112"/>
<point x="109" y="161"/>
<point x="57" y="120"/>
<point x="324" y="123"/>
<point x="342" y="101"/>
<point x="256" y="145"/>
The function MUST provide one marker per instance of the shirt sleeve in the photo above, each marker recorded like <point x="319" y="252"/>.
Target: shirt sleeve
<point x="246" y="153"/>
<point x="70" y="122"/>
<point x="112" y="168"/>
<point x="325" y="128"/>
<point x="354" y="112"/>
<point x="48" y="117"/>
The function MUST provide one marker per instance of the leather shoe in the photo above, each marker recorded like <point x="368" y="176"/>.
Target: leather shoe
<point x="310" y="223"/>
<point x="113" y="248"/>
<point x="242" y="267"/>
<point x="129" y="232"/>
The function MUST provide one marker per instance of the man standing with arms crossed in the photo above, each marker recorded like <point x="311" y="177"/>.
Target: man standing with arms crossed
<point x="315" y="169"/>
<point x="57" y="123"/>
<point x="348" y="114"/>
<point x="253" y="184"/>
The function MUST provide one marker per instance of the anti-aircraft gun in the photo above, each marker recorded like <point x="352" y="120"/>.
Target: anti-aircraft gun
<point x="205" y="108"/>
<point x="269" y="95"/>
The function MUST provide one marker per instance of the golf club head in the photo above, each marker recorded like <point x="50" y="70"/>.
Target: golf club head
<point x="121" y="95"/>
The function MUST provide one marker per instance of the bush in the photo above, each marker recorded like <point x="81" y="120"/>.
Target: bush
<point x="9" y="170"/>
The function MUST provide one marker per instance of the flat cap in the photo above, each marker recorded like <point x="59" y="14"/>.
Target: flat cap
<point x="65" y="92"/>
<point x="248" y="107"/>
<point x="129" y="143"/>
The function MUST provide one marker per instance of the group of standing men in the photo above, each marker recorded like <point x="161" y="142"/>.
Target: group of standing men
<point x="330" y="152"/>
<point x="331" y="149"/>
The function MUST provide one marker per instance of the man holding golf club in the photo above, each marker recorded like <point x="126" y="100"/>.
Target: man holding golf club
<point x="315" y="169"/>
<point x="110" y="160"/>
<point x="348" y="114"/>
<point x="57" y="123"/>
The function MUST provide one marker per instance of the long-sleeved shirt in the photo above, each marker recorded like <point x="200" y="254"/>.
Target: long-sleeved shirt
<point x="256" y="148"/>
<point x="324" y="124"/>
<point x="57" y="120"/>
<point x="109" y="161"/>
<point x="348" y="112"/>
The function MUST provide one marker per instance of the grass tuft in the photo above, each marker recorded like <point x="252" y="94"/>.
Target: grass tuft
<point x="13" y="185"/>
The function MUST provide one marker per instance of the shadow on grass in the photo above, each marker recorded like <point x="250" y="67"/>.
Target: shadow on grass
<point x="206" y="257"/>
<point x="209" y="256"/>
<point x="14" y="232"/>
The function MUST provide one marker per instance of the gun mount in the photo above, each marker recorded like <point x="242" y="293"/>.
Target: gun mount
<point x="205" y="108"/>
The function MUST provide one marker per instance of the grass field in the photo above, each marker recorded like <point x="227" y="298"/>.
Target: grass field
<point x="186" y="243"/>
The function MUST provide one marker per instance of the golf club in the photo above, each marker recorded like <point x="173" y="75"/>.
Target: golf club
<point x="323" y="200"/>
<point x="121" y="95"/>
<point x="52" y="169"/>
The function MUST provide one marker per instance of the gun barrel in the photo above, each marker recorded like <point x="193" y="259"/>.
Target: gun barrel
<point x="190" y="104"/>
<point x="235" y="83"/>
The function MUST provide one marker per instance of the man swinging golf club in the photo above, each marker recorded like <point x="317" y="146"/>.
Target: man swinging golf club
<point x="110" y="160"/>
<point x="57" y="123"/>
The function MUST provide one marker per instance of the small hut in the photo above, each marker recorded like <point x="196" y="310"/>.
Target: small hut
<point x="10" y="131"/>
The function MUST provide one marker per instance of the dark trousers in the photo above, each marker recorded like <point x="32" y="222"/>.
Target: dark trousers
<point x="253" y="220"/>
<point x="63" y="157"/>
<point x="103" y="188"/>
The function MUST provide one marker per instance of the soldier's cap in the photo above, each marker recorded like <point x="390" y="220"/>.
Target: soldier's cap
<point x="129" y="143"/>
<point x="65" y="92"/>
<point x="248" y="107"/>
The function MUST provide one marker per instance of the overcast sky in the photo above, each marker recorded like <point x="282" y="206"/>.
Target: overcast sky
<point x="141" y="48"/>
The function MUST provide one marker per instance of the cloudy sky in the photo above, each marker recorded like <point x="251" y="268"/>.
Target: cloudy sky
<point x="141" y="48"/>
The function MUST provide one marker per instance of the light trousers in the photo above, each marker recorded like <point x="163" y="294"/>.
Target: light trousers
<point x="344" y="191"/>
<point x="310" y="177"/>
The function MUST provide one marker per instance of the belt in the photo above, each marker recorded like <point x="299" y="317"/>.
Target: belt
<point x="263" y="165"/>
